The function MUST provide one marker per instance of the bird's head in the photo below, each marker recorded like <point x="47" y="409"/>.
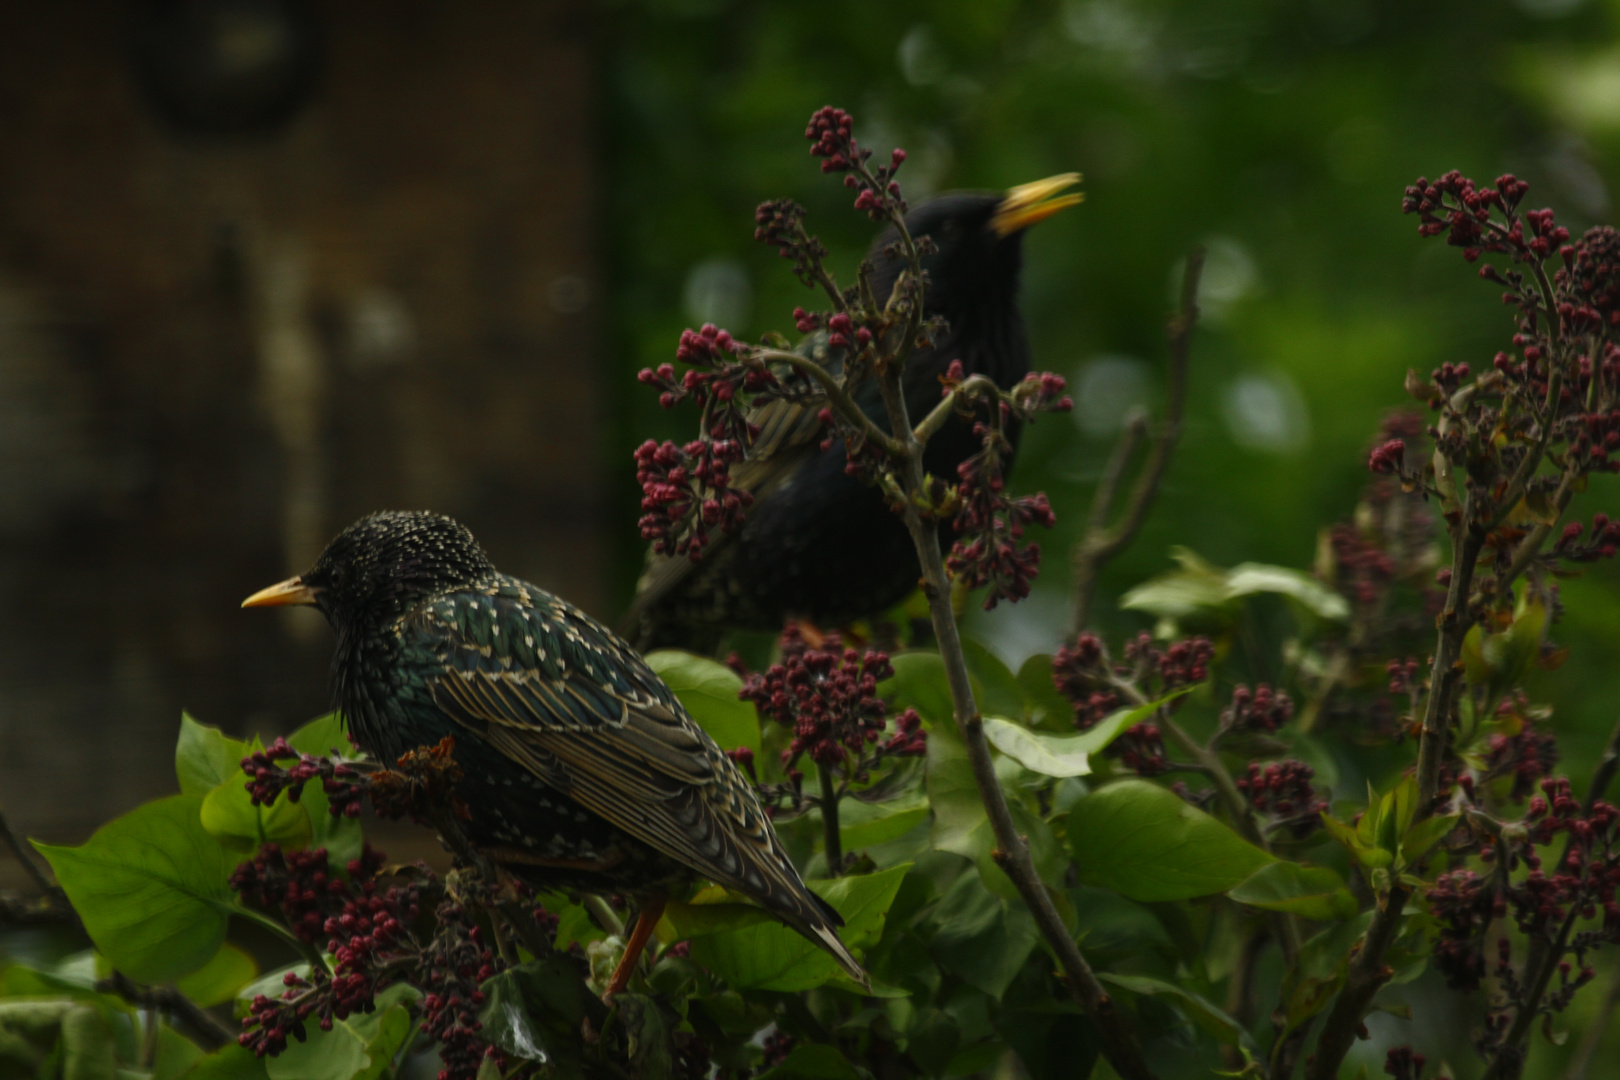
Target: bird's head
<point x="978" y="241"/>
<point x="381" y="566"/>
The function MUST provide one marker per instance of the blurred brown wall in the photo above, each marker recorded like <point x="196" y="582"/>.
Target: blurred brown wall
<point x="218" y="346"/>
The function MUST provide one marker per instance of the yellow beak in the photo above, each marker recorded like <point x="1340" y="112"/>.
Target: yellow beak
<point x="1026" y="204"/>
<point x="291" y="591"/>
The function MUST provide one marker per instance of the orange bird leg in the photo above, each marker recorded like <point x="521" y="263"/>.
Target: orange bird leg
<point x="651" y="911"/>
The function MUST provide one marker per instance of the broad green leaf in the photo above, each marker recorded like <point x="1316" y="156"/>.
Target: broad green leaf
<point x="229" y="814"/>
<point x="1196" y="587"/>
<point x="1246" y="579"/>
<point x="150" y="887"/>
<point x="534" y="1011"/>
<point x="980" y="936"/>
<point x="646" y="1034"/>
<point x="1312" y="892"/>
<point x="1066" y="755"/>
<point x="1200" y="1011"/>
<point x="1201" y="587"/>
<point x="1424" y="835"/>
<point x="338" y="1054"/>
<point x="176" y="1055"/>
<point x="752" y="951"/>
<point x="995" y="687"/>
<point x="1148" y="844"/>
<point x="218" y="980"/>
<point x="206" y="757"/>
<point x="812" y="1061"/>
<point x="321" y="737"/>
<point x="709" y="692"/>
<point x="1046" y="708"/>
<point x="863" y="825"/>
<point x="919" y="683"/>
<point x="231" y="1063"/>
<point x="386" y="1029"/>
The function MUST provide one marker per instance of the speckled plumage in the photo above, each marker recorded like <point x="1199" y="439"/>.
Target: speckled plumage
<point x="581" y="767"/>
<point x="818" y="544"/>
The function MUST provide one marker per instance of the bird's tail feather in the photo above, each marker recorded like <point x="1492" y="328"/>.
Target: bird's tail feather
<point x="819" y="929"/>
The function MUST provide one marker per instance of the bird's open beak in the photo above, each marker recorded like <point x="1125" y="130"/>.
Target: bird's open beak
<point x="291" y="591"/>
<point x="1028" y="203"/>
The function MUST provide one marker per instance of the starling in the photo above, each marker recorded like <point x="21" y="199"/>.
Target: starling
<point x="821" y="545"/>
<point x="580" y="768"/>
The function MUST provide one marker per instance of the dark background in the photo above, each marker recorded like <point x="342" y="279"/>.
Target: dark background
<point x="267" y="266"/>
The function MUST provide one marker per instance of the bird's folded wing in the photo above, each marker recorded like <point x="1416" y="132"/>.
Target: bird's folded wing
<point x="634" y="760"/>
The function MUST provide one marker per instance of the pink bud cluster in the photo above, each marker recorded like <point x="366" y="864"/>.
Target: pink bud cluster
<point x="831" y="132"/>
<point x="1080" y="673"/>
<point x="1260" y="709"/>
<point x="828" y="697"/>
<point x="345" y="785"/>
<point x="1283" y="792"/>
<point x="1601" y="544"/>
<point x="686" y="492"/>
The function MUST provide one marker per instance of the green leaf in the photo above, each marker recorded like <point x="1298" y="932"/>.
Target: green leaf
<point x="229" y="814"/>
<point x="1148" y="844"/>
<point x="338" y="1054"/>
<point x="1197" y="587"/>
<point x="919" y="683"/>
<point x="321" y="737"/>
<point x="1501" y="660"/>
<point x="1247" y="579"/>
<point x="864" y="825"/>
<point x="1424" y="835"/>
<point x="176" y="1055"/>
<point x="646" y="1034"/>
<point x="533" y="1012"/>
<point x="981" y="937"/>
<point x="1066" y="755"/>
<point x="752" y="951"/>
<point x="1201" y="1012"/>
<point x="995" y="687"/>
<point x="217" y="981"/>
<point x="1044" y="705"/>
<point x="709" y="692"/>
<point x="231" y="1063"/>
<point x="386" y="1029"/>
<point x="205" y="757"/>
<point x="1200" y="587"/>
<point x="1312" y="892"/>
<point x="150" y="887"/>
<point x="812" y="1061"/>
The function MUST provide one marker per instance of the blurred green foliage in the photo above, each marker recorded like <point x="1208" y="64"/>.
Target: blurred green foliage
<point x="1280" y="135"/>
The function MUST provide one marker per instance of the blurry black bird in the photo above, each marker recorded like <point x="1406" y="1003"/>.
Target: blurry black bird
<point x="581" y="769"/>
<point x="818" y="544"/>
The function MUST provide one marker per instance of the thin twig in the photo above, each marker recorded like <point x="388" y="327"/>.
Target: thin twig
<point x="192" y="1019"/>
<point x="1012" y="851"/>
<point x="1102" y="543"/>
<point x="20" y="851"/>
<point x="833" y="842"/>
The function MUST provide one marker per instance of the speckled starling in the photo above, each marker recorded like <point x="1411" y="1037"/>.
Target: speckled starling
<point x="581" y="768"/>
<point x="819" y="544"/>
